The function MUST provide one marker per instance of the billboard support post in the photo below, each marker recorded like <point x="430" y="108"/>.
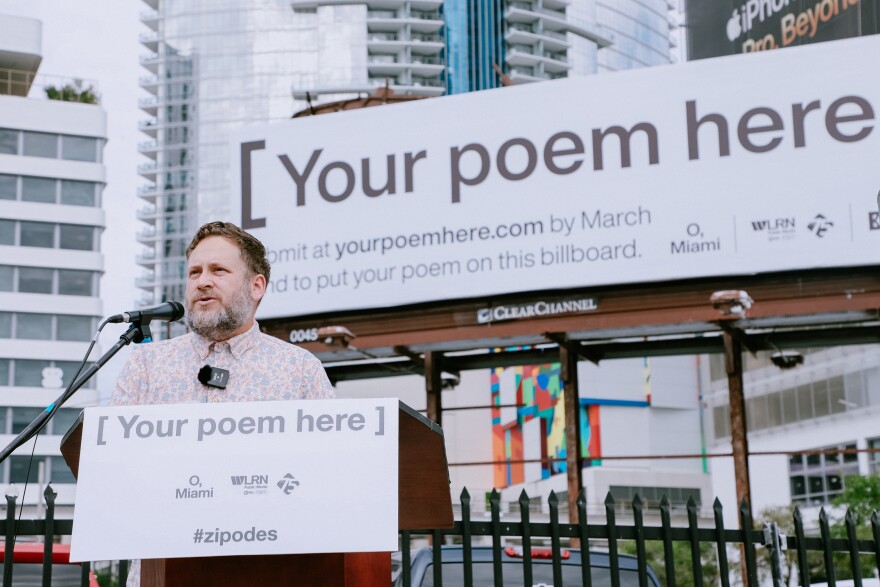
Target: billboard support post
<point x="568" y="357"/>
<point x="434" y="386"/>
<point x="738" y="430"/>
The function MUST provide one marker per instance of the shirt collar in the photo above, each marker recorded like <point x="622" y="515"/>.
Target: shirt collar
<point x="238" y="345"/>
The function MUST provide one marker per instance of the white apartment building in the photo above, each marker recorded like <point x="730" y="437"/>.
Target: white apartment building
<point x="830" y="402"/>
<point x="51" y="184"/>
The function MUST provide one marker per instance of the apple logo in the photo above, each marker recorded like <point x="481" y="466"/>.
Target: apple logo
<point x="734" y="29"/>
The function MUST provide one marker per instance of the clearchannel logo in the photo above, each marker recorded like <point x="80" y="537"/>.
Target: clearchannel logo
<point x="536" y="309"/>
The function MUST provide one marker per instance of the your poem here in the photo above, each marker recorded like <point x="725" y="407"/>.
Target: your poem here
<point x="141" y="428"/>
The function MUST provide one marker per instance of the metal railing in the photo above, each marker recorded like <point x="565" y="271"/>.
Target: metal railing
<point x="732" y="554"/>
<point x="712" y="554"/>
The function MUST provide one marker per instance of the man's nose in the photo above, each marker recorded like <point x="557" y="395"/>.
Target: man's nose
<point x="204" y="280"/>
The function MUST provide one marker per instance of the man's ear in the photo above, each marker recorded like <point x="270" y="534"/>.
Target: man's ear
<point x="258" y="287"/>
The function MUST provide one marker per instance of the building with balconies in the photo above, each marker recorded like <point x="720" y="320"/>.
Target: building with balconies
<point x="434" y="47"/>
<point x="51" y="183"/>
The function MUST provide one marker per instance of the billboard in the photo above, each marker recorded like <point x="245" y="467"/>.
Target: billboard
<point x="726" y="27"/>
<point x="740" y="165"/>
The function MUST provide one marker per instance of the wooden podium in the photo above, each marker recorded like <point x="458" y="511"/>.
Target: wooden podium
<point x="424" y="501"/>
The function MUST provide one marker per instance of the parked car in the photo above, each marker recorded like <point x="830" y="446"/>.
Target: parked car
<point x="422" y="568"/>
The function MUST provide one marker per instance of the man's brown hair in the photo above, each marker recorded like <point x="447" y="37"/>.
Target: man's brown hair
<point x="253" y="253"/>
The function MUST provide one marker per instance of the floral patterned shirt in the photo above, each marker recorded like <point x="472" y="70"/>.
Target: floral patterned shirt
<point x="261" y="367"/>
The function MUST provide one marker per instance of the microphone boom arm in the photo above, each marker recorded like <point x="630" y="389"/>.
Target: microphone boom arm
<point x="136" y="333"/>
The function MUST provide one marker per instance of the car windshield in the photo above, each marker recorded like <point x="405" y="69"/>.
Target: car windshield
<point x="542" y="575"/>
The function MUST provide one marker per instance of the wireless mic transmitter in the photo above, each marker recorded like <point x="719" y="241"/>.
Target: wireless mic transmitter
<point x="213" y="377"/>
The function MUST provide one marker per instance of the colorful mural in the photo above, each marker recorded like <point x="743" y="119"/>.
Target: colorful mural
<point x="535" y="431"/>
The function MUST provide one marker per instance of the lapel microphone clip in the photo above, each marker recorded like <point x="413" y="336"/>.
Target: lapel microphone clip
<point x="213" y="377"/>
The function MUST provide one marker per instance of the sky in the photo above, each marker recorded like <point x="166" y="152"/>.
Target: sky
<point x="98" y="40"/>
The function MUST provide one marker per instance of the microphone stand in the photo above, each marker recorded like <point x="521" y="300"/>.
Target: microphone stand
<point x="138" y="332"/>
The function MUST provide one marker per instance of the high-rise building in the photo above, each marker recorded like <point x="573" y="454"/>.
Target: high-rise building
<point x="51" y="184"/>
<point x="212" y="67"/>
<point x="436" y="47"/>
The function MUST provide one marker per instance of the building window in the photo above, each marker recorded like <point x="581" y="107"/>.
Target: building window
<point x="8" y="142"/>
<point x="6" y="278"/>
<point x="23" y="470"/>
<point x="35" y="280"/>
<point x="74" y="328"/>
<point x="816" y="479"/>
<point x="77" y="237"/>
<point x="40" y="280"/>
<point x="7" y="186"/>
<point x="678" y="496"/>
<point x="33" y="326"/>
<point x="39" y="144"/>
<point x="29" y="373"/>
<point x="37" y="234"/>
<point x="76" y="283"/>
<point x="79" y="148"/>
<point x="42" y="327"/>
<point x="816" y="399"/>
<point x="38" y="189"/>
<point x="7" y="232"/>
<point x="874" y="457"/>
<point x="78" y="193"/>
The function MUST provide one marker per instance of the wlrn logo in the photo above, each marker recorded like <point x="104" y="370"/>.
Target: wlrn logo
<point x="250" y="480"/>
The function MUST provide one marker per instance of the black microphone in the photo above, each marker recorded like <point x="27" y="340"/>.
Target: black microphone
<point x="169" y="311"/>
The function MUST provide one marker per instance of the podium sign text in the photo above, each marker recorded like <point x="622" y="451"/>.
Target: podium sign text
<point x="185" y="480"/>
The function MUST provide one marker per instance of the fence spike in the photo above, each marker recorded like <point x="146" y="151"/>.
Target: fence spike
<point x="495" y="505"/>
<point x="524" y="514"/>
<point x="555" y="543"/>
<point x="11" y="497"/>
<point x="613" y="558"/>
<point x="875" y="533"/>
<point x="467" y="552"/>
<point x="745" y="513"/>
<point x="586" y="575"/>
<point x="693" y="534"/>
<point x="854" y="560"/>
<point x="641" y="556"/>
<point x="825" y="532"/>
<point x="721" y="543"/>
<point x="49" y="534"/>
<point x="668" y="553"/>
<point x="803" y="565"/>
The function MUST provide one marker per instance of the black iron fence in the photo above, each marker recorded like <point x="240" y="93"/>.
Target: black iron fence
<point x="690" y="554"/>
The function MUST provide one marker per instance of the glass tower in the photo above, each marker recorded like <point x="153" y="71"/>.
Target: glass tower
<point x="214" y="65"/>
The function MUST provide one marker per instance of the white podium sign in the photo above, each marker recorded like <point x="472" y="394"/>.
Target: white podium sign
<point x="188" y="480"/>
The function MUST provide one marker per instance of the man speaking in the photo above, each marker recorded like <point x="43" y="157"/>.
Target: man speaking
<point x="225" y="358"/>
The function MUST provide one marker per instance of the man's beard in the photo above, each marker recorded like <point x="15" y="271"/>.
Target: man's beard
<point x="218" y="324"/>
